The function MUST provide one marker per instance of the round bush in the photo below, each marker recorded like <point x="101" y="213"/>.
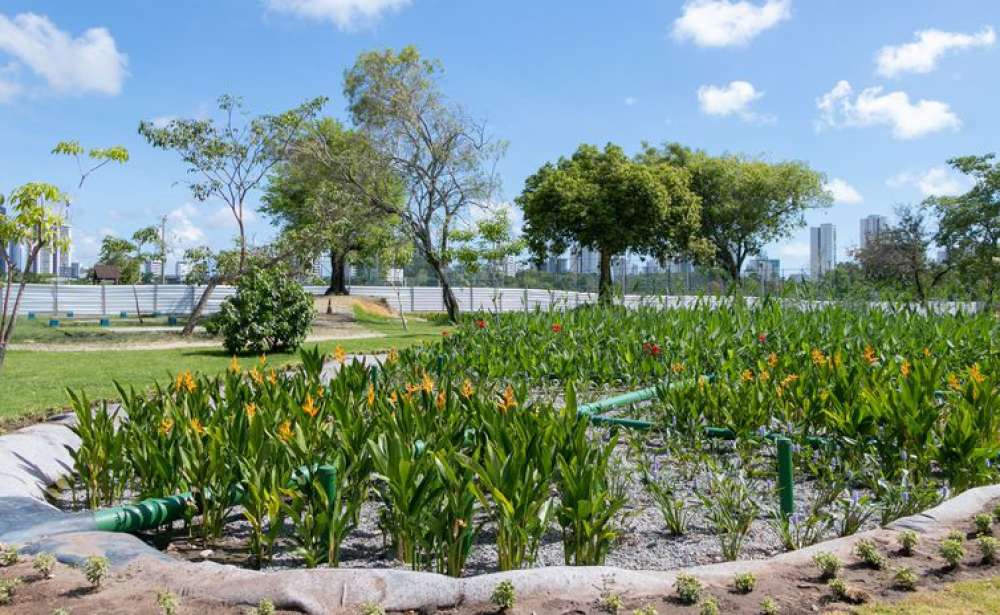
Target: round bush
<point x="268" y="313"/>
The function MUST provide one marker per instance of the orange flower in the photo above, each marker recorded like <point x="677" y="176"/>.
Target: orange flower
<point x="772" y="360"/>
<point x="285" y="431"/>
<point x="412" y="388"/>
<point x="234" y="365"/>
<point x="272" y="377"/>
<point x="197" y="427"/>
<point x="320" y="391"/>
<point x="677" y="367"/>
<point x="904" y="369"/>
<point x="927" y="351"/>
<point x="442" y="399"/>
<point x="975" y="375"/>
<point x="788" y="380"/>
<point x="467" y="389"/>
<point x="166" y="426"/>
<point x="371" y="395"/>
<point x="309" y="407"/>
<point x="393" y="398"/>
<point x="393" y="355"/>
<point x="251" y="410"/>
<point x="747" y="376"/>
<point x="427" y="384"/>
<point x="340" y="354"/>
<point x="870" y="355"/>
<point x="508" y="401"/>
<point x="262" y="360"/>
<point x="256" y="376"/>
<point x="818" y="358"/>
<point x="764" y="375"/>
<point x="953" y="383"/>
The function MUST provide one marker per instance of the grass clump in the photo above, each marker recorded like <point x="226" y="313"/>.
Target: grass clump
<point x="828" y="563"/>
<point x="908" y="541"/>
<point x="988" y="548"/>
<point x="264" y="607"/>
<point x="745" y="582"/>
<point x="687" y="588"/>
<point x="95" y="568"/>
<point x="504" y="595"/>
<point x="868" y="552"/>
<point x="905" y="579"/>
<point x="952" y="551"/>
<point x="44" y="563"/>
<point x="8" y="555"/>
<point x="372" y="608"/>
<point x="769" y="607"/>
<point x="7" y="589"/>
<point x="708" y="606"/>
<point x="984" y="524"/>
<point x="646" y="609"/>
<point x="167" y="602"/>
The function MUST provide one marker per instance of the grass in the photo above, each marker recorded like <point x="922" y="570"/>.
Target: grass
<point x="32" y="384"/>
<point x="87" y="329"/>
<point x="967" y="597"/>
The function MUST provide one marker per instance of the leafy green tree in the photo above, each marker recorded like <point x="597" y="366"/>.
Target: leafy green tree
<point x="229" y="160"/>
<point x="745" y="203"/>
<point x="123" y="254"/>
<point x="603" y="200"/>
<point x="303" y="195"/>
<point x="488" y="245"/>
<point x="445" y="160"/>
<point x="969" y="224"/>
<point x="99" y="157"/>
<point x="31" y="220"/>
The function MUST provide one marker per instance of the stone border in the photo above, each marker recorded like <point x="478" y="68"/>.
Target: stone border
<point x="35" y="457"/>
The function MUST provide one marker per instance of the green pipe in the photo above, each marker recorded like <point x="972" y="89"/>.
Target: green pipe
<point x="603" y="419"/>
<point x="154" y="512"/>
<point x="617" y="400"/>
<point x="786" y="495"/>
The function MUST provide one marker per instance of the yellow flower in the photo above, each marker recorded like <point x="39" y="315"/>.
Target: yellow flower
<point x="256" y="376"/>
<point x="272" y="377"/>
<point x="467" y="389"/>
<point x="870" y="355"/>
<point x="427" y="384"/>
<point x="197" y="427"/>
<point x="371" y="395"/>
<point x="953" y="383"/>
<point x="975" y="375"/>
<point x="772" y="360"/>
<point x="442" y="399"/>
<point x="393" y="398"/>
<point x="838" y="359"/>
<point x="166" y="426"/>
<point x="702" y="380"/>
<point x="764" y="375"/>
<point x="747" y="376"/>
<point x="262" y="360"/>
<point x="320" y="391"/>
<point x="779" y="390"/>
<point x="185" y="382"/>
<point x="250" y="409"/>
<point x="285" y="431"/>
<point x="677" y="367"/>
<point x="818" y="358"/>
<point x="508" y="401"/>
<point x="340" y="354"/>
<point x="824" y="394"/>
<point x="927" y="351"/>
<point x="411" y="388"/>
<point x="904" y="369"/>
<point x="788" y="380"/>
<point x="393" y="355"/>
<point x="309" y="407"/>
<point x="234" y="365"/>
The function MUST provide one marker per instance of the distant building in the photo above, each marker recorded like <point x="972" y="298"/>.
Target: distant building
<point x="394" y="276"/>
<point x="680" y="266"/>
<point x="871" y="227"/>
<point x="182" y="269"/>
<point x="586" y="260"/>
<point x="153" y="268"/>
<point x="822" y="249"/>
<point x="764" y="269"/>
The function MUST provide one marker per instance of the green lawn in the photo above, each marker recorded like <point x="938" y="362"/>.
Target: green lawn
<point x="87" y="329"/>
<point x="34" y="383"/>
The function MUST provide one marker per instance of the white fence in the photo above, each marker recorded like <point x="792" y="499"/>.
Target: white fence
<point x="179" y="299"/>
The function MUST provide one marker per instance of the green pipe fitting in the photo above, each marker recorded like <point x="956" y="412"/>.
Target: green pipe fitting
<point x="786" y="495"/>
<point x="602" y="419"/>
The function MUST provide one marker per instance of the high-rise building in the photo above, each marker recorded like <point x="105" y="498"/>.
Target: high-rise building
<point x="586" y="260"/>
<point x="872" y="226"/>
<point x="822" y="249"/>
<point x="182" y="268"/>
<point x="764" y="269"/>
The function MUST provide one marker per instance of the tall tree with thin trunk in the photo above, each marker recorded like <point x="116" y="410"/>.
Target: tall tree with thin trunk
<point x="445" y="159"/>
<point x="229" y="159"/>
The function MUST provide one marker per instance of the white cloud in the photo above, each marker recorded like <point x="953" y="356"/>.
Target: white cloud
<point x="345" y="14"/>
<point x="843" y="192"/>
<point x="794" y="250"/>
<point x="931" y="45"/>
<point x="873" y="108"/>
<point x="936" y="181"/>
<point x="721" y="23"/>
<point x="631" y="102"/>
<point x="223" y="217"/>
<point x="88" y="63"/>
<point x="732" y="99"/>
<point x="184" y="233"/>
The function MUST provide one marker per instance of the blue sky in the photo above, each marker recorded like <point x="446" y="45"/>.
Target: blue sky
<point x="877" y="95"/>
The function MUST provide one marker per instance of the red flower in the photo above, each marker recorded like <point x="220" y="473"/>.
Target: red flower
<point x="481" y="323"/>
<point x="557" y="328"/>
<point x="652" y="349"/>
<point x="444" y="333"/>
<point x="762" y="338"/>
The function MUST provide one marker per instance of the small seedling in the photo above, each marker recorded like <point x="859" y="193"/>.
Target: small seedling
<point x="708" y="606"/>
<point x="8" y="555"/>
<point x="167" y="602"/>
<point x="372" y="608"/>
<point x="745" y="582"/>
<point x="988" y="547"/>
<point x="984" y="522"/>
<point x="769" y="607"/>
<point x="646" y="609"/>
<point x="828" y="563"/>
<point x="95" y="568"/>
<point x="7" y="589"/>
<point x="908" y="540"/>
<point x="952" y="551"/>
<point x="688" y="589"/>
<point x="60" y="611"/>
<point x="610" y="601"/>
<point x="43" y="564"/>
<point x="905" y="579"/>
<point x="504" y="595"/>
<point x="264" y="607"/>
<point x="868" y="551"/>
<point x="958" y="535"/>
<point x="839" y="589"/>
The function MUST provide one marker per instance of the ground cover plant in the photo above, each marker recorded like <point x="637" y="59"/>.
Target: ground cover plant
<point x="889" y="413"/>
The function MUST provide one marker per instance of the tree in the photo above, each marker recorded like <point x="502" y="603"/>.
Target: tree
<point x="100" y="156"/>
<point x="121" y="253"/>
<point x="745" y="203"/>
<point x="230" y="159"/>
<point x="151" y="236"/>
<point x="302" y="195"/>
<point x="603" y="200"/>
<point x="489" y="243"/>
<point x="445" y="160"/>
<point x="969" y="224"/>
<point x="33" y="222"/>
<point x="898" y="256"/>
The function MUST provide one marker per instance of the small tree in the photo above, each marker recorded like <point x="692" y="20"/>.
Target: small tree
<point x="30" y="219"/>
<point x="601" y="199"/>
<point x="99" y="156"/>
<point x="488" y="245"/>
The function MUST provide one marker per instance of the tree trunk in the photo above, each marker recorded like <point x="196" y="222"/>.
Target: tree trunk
<point x="338" y="279"/>
<point x="450" y="301"/>
<point x="604" y="283"/>
<point x="199" y="307"/>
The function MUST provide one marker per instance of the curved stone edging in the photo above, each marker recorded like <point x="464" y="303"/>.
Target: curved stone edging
<point x="36" y="457"/>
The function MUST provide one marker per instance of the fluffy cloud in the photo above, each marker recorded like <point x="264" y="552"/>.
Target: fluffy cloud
<point x="872" y="107"/>
<point x="922" y="55"/>
<point x="88" y="63"/>
<point x="184" y="233"/>
<point x="843" y="192"/>
<point x="936" y="181"/>
<point x="732" y="99"/>
<point x="345" y="14"/>
<point x="722" y="23"/>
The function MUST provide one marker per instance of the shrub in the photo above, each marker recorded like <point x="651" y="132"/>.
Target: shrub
<point x="988" y="547"/>
<point x="264" y="607"/>
<point x="769" y="607"/>
<point x="688" y="588"/>
<point x="504" y="595"/>
<point x="95" y="568"/>
<point x="7" y="589"/>
<point x="8" y="555"/>
<point x="908" y="539"/>
<point x="828" y="563"/>
<point x="956" y="535"/>
<point x="905" y="579"/>
<point x="984" y="522"/>
<point x="43" y="563"/>
<point x="839" y="588"/>
<point x="745" y="582"/>
<point x="269" y="313"/>
<point x="611" y="602"/>
<point x="868" y="551"/>
<point x="372" y="608"/>
<point x="646" y="609"/>
<point x="708" y="606"/>
<point x="167" y="602"/>
<point x="952" y="551"/>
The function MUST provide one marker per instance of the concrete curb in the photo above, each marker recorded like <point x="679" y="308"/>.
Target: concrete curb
<point x="36" y="457"/>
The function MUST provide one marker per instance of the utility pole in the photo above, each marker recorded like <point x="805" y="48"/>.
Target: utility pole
<point x="163" y="249"/>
